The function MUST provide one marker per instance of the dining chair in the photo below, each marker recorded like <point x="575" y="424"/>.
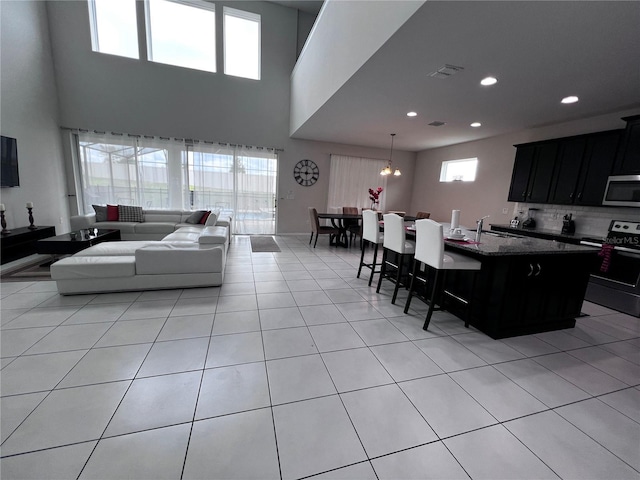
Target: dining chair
<point x="353" y="226"/>
<point x="320" y="229"/>
<point x="430" y="252"/>
<point x="395" y="242"/>
<point x="423" y="215"/>
<point x="398" y="212"/>
<point x="370" y="234"/>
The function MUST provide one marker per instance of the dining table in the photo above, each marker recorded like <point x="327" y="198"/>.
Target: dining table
<point x="341" y="221"/>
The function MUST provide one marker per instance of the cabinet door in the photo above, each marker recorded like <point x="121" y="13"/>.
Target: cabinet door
<point x="597" y="165"/>
<point x="542" y="172"/>
<point x="565" y="181"/>
<point x="628" y="160"/>
<point x="521" y="172"/>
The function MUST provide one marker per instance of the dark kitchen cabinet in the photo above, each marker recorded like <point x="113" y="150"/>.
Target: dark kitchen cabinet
<point x="628" y="158"/>
<point x="533" y="171"/>
<point x="582" y="167"/>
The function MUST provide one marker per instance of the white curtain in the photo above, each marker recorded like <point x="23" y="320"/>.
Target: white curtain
<point x="351" y="178"/>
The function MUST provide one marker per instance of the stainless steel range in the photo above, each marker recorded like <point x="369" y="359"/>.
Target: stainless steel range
<point x="616" y="282"/>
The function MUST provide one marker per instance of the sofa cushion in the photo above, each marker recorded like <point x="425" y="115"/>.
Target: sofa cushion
<point x="184" y="234"/>
<point x="130" y="213"/>
<point x="101" y="212"/>
<point x="195" y="217"/>
<point x="77" y="267"/>
<point x="171" y="216"/>
<point x="112" y="213"/>
<point x="154" y="227"/>
<point x="124" y="227"/>
<point x="211" y="219"/>
<point x="213" y="236"/>
<point x="114" y="249"/>
<point x="167" y="258"/>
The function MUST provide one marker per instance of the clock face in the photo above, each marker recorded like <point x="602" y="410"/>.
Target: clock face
<point x="306" y="173"/>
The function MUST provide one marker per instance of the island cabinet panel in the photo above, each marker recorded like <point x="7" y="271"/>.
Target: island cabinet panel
<point x="523" y="294"/>
<point x="628" y="158"/>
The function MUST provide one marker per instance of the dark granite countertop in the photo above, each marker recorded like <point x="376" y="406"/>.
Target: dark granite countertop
<point x="492" y="245"/>
<point x="539" y="233"/>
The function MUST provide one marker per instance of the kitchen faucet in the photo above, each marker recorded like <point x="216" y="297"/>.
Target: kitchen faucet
<point x="479" y="228"/>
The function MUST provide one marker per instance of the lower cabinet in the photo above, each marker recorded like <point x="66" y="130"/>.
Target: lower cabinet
<point x="524" y="294"/>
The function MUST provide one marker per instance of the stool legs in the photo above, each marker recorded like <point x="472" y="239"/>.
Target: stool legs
<point x="364" y="245"/>
<point x="432" y="301"/>
<point x="373" y="265"/>
<point x="383" y="269"/>
<point x="416" y="264"/>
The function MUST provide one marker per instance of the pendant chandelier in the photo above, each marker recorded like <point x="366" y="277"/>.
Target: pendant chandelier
<point x="387" y="170"/>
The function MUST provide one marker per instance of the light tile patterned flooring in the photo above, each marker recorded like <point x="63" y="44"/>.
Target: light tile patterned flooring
<point x="295" y="368"/>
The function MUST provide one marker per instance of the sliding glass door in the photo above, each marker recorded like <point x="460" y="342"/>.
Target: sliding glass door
<point x="171" y="174"/>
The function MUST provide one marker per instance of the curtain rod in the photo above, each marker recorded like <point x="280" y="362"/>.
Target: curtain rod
<point x="186" y="140"/>
<point x="357" y="156"/>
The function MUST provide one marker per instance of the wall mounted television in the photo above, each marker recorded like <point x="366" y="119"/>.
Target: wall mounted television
<point x="9" y="173"/>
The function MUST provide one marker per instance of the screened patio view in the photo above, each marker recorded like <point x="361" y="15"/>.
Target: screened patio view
<point x="169" y="174"/>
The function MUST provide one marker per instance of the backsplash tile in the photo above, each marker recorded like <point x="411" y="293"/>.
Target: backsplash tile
<point x="589" y="221"/>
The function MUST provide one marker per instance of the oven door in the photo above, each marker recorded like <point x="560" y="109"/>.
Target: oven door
<point x="623" y="191"/>
<point x="623" y="272"/>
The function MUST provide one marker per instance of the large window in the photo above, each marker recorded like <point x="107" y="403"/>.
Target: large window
<point x="241" y="43"/>
<point x="113" y="27"/>
<point x="463" y="170"/>
<point x="170" y="174"/>
<point x="182" y="33"/>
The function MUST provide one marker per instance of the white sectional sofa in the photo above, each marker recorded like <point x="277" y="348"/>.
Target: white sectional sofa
<point x="189" y="257"/>
<point x="157" y="224"/>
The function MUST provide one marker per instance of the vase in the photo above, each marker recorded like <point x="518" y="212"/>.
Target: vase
<point x="374" y="205"/>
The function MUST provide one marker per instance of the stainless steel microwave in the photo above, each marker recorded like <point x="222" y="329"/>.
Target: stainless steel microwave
<point x="622" y="191"/>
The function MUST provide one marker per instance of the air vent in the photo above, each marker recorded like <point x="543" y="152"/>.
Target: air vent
<point x="446" y="71"/>
<point x="436" y="124"/>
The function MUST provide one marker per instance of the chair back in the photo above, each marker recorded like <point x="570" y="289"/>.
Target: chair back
<point x="423" y="215"/>
<point x="370" y="226"/>
<point x="429" y="243"/>
<point x="394" y="233"/>
<point x="350" y="210"/>
<point x="313" y="220"/>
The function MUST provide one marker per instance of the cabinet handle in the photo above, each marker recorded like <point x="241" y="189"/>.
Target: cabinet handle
<point x="580" y="196"/>
<point x="524" y="194"/>
<point x="571" y="195"/>
<point x="529" y="194"/>
<point x="530" y="270"/>
<point x="539" y="270"/>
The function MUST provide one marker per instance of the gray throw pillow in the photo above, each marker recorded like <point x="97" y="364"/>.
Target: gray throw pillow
<point x="130" y="213"/>
<point x="101" y="213"/>
<point x="195" y="217"/>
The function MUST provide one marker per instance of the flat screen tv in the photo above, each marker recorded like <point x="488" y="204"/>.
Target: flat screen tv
<point x="9" y="174"/>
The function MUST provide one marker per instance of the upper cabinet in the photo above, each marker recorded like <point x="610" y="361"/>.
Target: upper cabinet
<point x="582" y="167"/>
<point x="532" y="172"/>
<point x="628" y="159"/>
<point x="570" y="171"/>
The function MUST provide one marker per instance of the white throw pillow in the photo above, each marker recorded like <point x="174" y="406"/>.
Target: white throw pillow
<point x="211" y="221"/>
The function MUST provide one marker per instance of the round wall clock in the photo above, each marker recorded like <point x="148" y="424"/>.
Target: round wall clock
<point x="306" y="172"/>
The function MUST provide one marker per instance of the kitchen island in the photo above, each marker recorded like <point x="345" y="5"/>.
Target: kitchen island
<point x="525" y="285"/>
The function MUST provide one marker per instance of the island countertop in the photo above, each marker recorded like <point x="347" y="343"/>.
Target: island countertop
<point x="492" y="245"/>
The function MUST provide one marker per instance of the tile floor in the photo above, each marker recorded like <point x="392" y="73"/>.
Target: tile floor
<point x="294" y="368"/>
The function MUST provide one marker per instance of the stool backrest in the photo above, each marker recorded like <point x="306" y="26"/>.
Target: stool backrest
<point x="394" y="233"/>
<point x="429" y="243"/>
<point x="370" y="226"/>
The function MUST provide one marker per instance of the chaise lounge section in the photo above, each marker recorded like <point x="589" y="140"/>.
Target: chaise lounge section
<point x="189" y="257"/>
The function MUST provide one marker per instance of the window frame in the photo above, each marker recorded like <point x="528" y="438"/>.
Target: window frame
<point x="243" y="14"/>
<point x="93" y="30"/>
<point x="189" y="3"/>
<point x="446" y="163"/>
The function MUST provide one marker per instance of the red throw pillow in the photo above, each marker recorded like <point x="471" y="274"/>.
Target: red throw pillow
<point x="203" y="220"/>
<point x="112" y="213"/>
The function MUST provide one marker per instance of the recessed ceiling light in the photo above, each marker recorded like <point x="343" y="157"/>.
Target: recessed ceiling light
<point x="412" y="114"/>
<point x="570" y="99"/>
<point x="476" y="124"/>
<point x="488" y="81"/>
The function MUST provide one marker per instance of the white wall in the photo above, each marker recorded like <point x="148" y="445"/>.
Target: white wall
<point x="29" y="113"/>
<point x="346" y="34"/>
<point x="105" y="92"/>
<point x="488" y="194"/>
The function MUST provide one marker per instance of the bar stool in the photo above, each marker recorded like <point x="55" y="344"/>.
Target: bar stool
<point x="394" y="241"/>
<point x="370" y="234"/>
<point x="430" y="251"/>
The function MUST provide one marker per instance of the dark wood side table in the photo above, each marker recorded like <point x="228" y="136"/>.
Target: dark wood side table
<point x="21" y="242"/>
<point x="73" y="242"/>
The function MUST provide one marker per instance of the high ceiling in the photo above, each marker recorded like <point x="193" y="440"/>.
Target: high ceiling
<point x="309" y="6"/>
<point x="540" y="52"/>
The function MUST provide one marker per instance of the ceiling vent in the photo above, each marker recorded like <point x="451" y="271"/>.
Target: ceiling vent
<point x="437" y="124"/>
<point x="446" y="71"/>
